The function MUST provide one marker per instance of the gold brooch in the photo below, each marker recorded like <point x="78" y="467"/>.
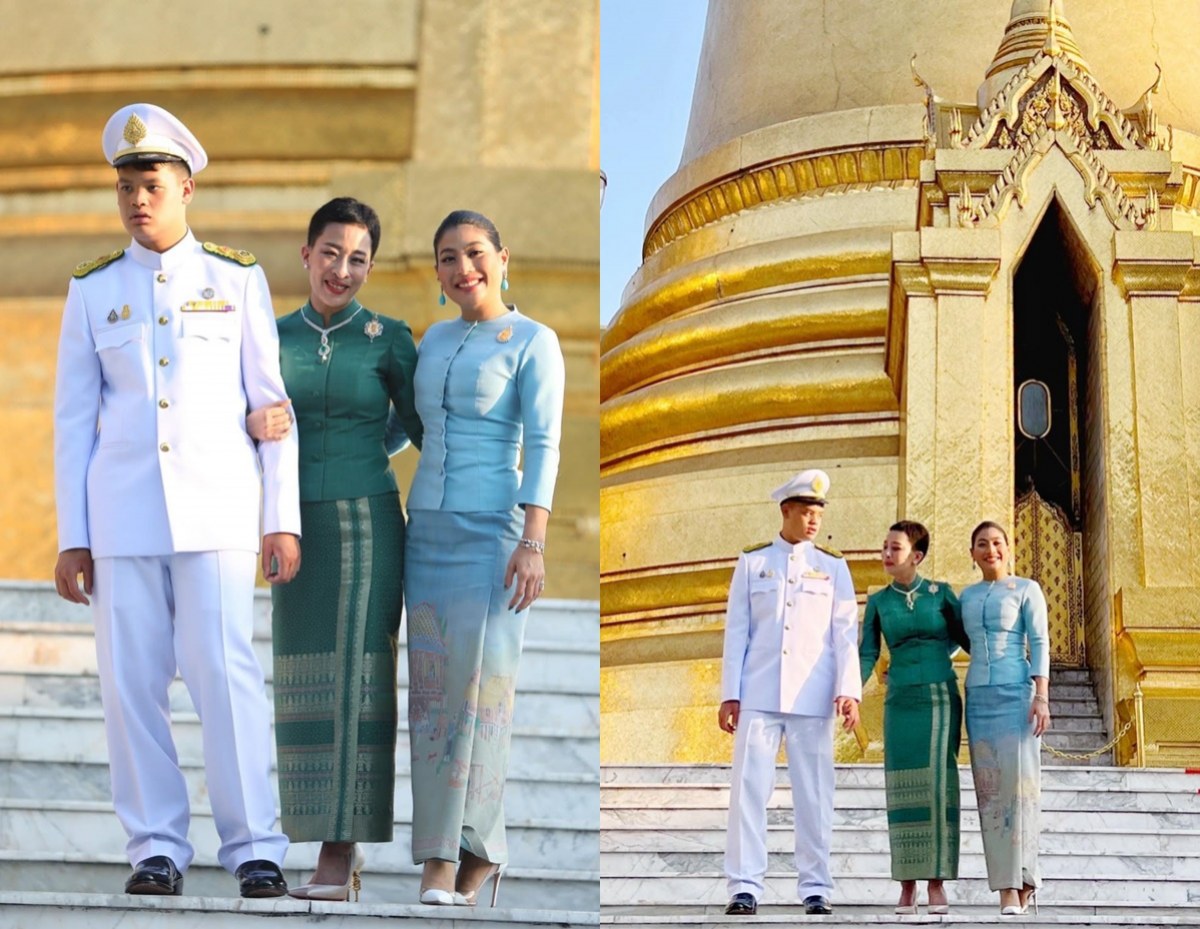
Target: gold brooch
<point x="135" y="130"/>
<point x="373" y="328"/>
<point x="125" y="311"/>
<point x="933" y="588"/>
<point x="505" y="334"/>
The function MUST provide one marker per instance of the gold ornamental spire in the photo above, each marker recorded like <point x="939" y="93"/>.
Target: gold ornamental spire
<point x="1033" y="26"/>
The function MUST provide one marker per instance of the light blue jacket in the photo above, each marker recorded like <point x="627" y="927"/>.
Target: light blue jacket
<point x="485" y="392"/>
<point x="1000" y="617"/>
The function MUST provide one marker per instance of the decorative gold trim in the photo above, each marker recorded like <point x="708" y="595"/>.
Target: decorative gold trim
<point x="764" y="391"/>
<point x="223" y="77"/>
<point x="813" y="175"/>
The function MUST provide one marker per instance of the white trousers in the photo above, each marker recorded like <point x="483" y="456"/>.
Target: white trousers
<point x="194" y="612"/>
<point x="809" y="748"/>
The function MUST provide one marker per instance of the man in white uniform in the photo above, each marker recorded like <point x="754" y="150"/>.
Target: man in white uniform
<point x="790" y="664"/>
<point x="163" y="346"/>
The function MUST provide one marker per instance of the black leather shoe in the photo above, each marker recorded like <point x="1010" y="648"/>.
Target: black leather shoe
<point x="261" y="878"/>
<point x="155" y="875"/>
<point x="742" y="905"/>
<point x="817" y="906"/>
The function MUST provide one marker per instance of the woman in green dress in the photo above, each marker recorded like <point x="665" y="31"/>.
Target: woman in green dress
<point x="336" y="625"/>
<point x="922" y="720"/>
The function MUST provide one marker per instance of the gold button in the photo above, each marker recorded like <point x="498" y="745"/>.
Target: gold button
<point x="164" y="404"/>
<point x="787" y="628"/>
<point x="789" y="603"/>
<point x="785" y="651"/>
<point x="162" y="320"/>
<point x="163" y="362"/>
<point x="791" y="580"/>
<point x="162" y="278"/>
<point x="164" y="447"/>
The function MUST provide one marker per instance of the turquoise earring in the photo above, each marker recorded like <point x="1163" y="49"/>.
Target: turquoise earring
<point x="504" y="282"/>
<point x="442" y="298"/>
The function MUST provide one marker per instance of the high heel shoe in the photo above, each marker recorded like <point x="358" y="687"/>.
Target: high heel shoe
<point x="312" y="891"/>
<point x="906" y="910"/>
<point x="938" y="909"/>
<point x="1032" y="898"/>
<point x="472" y="897"/>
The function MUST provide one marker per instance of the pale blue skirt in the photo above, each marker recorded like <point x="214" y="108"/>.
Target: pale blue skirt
<point x="1006" y="764"/>
<point x="464" y="646"/>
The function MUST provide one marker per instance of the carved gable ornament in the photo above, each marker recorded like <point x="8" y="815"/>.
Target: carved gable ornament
<point x="1053" y="101"/>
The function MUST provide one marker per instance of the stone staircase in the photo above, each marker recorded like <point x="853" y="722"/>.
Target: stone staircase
<point x="62" y="849"/>
<point x="1119" y="847"/>
<point x="1076" y="726"/>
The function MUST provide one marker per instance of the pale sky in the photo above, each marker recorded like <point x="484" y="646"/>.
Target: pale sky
<point x="648" y="55"/>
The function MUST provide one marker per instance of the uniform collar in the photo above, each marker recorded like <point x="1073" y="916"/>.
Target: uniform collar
<point x="172" y="258"/>
<point x="783" y="545"/>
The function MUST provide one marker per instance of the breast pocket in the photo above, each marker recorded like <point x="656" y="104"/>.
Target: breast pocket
<point x="764" y="599"/>
<point x="218" y="329"/>
<point x="815" y="587"/>
<point x="121" y="350"/>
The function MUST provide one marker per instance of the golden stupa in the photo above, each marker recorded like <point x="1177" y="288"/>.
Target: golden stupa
<point x="949" y="253"/>
<point x="417" y="107"/>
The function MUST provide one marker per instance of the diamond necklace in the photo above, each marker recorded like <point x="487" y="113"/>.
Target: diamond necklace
<point x="324" y="350"/>
<point x="909" y="595"/>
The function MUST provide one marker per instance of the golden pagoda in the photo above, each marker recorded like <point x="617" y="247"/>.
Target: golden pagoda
<point x="963" y="278"/>
<point x="417" y="107"/>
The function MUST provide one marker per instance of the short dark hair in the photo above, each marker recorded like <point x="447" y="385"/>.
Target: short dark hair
<point x="467" y="218"/>
<point x="345" y="210"/>
<point x="988" y="524"/>
<point x="152" y="165"/>
<point x="917" y="534"/>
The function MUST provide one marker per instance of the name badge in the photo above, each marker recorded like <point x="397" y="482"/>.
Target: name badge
<point x="207" y="306"/>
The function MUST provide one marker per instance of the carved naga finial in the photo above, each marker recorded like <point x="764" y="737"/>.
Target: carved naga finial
<point x="930" y="98"/>
<point x="1053" y="49"/>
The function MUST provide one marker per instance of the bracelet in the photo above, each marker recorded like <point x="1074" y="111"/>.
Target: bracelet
<point x="539" y="547"/>
<point x="1038" y="698"/>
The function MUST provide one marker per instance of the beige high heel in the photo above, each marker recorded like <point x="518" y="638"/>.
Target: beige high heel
<point x="312" y="891"/>
<point x="471" y="898"/>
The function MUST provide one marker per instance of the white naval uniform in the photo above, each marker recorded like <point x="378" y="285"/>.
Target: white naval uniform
<point x="791" y="647"/>
<point x="159" y="357"/>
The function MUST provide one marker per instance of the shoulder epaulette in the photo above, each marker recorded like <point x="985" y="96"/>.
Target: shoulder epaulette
<point x="755" y="547"/>
<point x="84" y="268"/>
<point x="828" y="551"/>
<point x="240" y="255"/>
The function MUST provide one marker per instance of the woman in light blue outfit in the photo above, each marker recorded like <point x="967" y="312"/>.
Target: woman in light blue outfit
<point x="489" y="384"/>
<point x="1008" y="709"/>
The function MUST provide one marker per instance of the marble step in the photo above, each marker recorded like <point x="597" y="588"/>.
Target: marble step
<point x="872" y="799"/>
<point x="568" y="621"/>
<point x="851" y="839"/>
<point x="850" y="864"/>
<point x="1072" y="692"/>
<point x="1072" y="741"/>
<point x="47" y="690"/>
<point x="846" y="915"/>
<point x="1084" y="723"/>
<point x="1081" y="823"/>
<point x="878" y="889"/>
<point x="528" y="794"/>
<point x="90" y="830"/>
<point x="1070" y="676"/>
<point x="1168" y="780"/>
<point x="78" y="735"/>
<point x="550" y="666"/>
<point x="101" y="910"/>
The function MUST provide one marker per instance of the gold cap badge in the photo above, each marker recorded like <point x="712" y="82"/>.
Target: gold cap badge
<point x="135" y="130"/>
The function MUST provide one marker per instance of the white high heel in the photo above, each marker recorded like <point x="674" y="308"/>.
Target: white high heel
<point x="472" y="897"/>
<point x="312" y="891"/>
